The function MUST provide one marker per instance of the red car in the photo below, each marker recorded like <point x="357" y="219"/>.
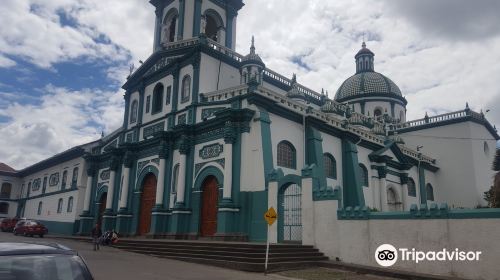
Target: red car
<point x="8" y="224"/>
<point x="30" y="228"/>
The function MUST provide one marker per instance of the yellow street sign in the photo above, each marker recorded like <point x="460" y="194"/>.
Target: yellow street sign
<point x="270" y="216"/>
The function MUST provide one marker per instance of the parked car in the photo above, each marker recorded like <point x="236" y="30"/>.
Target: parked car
<point x="30" y="228"/>
<point x="8" y="224"/>
<point x="41" y="261"/>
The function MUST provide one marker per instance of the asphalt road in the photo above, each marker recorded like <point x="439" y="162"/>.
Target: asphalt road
<point x="110" y="263"/>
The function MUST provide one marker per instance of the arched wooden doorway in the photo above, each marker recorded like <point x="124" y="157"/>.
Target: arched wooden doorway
<point x="148" y="197"/>
<point x="209" y="202"/>
<point x="102" y="207"/>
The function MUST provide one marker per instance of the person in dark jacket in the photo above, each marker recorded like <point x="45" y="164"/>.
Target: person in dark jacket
<point x="96" y="235"/>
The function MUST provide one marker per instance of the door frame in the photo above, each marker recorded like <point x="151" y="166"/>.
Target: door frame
<point x="211" y="170"/>
<point x="216" y="204"/>
<point x="143" y="179"/>
<point x="284" y="183"/>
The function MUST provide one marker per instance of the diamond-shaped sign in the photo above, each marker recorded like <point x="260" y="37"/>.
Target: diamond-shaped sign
<point x="270" y="216"/>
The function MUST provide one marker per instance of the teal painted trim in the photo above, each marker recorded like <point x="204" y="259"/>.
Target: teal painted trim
<point x="314" y="154"/>
<point x="196" y="82"/>
<point x="421" y="184"/>
<point x="175" y="91"/>
<point x="145" y="171"/>
<point x="236" y="164"/>
<point x="352" y="189"/>
<point x="288" y="180"/>
<point x="131" y="184"/>
<point x="229" y="29"/>
<point x="291" y="179"/>
<point x="141" y="107"/>
<point x="424" y="213"/>
<point x="42" y="195"/>
<point x="189" y="177"/>
<point x="136" y="201"/>
<point x="127" y="109"/>
<point x="267" y="149"/>
<point x="65" y="228"/>
<point x="208" y="171"/>
<point x="93" y="195"/>
<point x="328" y="194"/>
<point x="197" y="18"/>
<point x="168" y="180"/>
<point x="116" y="193"/>
<point x="362" y="104"/>
<point x="100" y="192"/>
<point x="393" y="109"/>
<point x="182" y="11"/>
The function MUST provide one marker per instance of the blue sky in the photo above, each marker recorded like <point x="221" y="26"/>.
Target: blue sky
<point x="62" y="62"/>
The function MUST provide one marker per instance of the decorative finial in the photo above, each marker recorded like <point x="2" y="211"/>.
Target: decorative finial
<point x="322" y="91"/>
<point x="294" y="78"/>
<point x="102" y="133"/>
<point x="252" y="48"/>
<point x="466" y="105"/>
<point x="327" y="94"/>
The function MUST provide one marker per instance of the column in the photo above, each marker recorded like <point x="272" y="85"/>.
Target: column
<point x="382" y="172"/>
<point x="160" y="184"/>
<point x="272" y="201"/>
<point x="124" y="190"/>
<point x="404" y="190"/>
<point x="111" y="190"/>
<point x="182" y="179"/>
<point x="88" y="191"/>
<point x="228" y="171"/>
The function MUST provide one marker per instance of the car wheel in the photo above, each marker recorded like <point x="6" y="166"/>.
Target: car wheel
<point x="14" y="232"/>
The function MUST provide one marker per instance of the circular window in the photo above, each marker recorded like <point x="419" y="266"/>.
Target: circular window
<point x="486" y="148"/>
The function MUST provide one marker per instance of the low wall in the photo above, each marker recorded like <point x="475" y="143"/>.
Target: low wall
<point x="354" y="238"/>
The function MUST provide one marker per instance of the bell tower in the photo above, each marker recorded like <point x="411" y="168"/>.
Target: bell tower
<point x="178" y="20"/>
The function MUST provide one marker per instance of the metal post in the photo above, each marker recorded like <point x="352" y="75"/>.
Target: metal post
<point x="267" y="250"/>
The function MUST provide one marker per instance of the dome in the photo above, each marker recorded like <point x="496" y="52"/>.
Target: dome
<point x="252" y="57"/>
<point x="364" y="84"/>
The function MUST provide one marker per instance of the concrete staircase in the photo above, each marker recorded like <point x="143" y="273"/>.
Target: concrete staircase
<point x="234" y="255"/>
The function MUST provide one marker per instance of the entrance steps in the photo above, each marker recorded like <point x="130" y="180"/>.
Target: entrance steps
<point x="234" y="255"/>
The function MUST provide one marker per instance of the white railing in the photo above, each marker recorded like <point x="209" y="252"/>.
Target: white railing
<point x="302" y="89"/>
<point x="180" y="44"/>
<point x="416" y="155"/>
<point x="225" y="93"/>
<point x="438" y="118"/>
<point x="225" y="50"/>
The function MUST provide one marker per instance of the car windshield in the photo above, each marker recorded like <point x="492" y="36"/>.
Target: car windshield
<point x="41" y="267"/>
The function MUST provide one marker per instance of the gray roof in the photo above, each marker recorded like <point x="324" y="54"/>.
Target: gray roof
<point x="366" y="83"/>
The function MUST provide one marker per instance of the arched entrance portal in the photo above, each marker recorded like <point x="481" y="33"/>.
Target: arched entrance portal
<point x="210" y="195"/>
<point x="290" y="208"/>
<point x="148" y="197"/>
<point x="102" y="207"/>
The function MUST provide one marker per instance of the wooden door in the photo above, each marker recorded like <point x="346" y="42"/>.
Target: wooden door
<point x="209" y="207"/>
<point x="147" y="203"/>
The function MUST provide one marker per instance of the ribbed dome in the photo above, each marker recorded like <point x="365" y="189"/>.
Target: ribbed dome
<point x="366" y="83"/>
<point x="252" y="57"/>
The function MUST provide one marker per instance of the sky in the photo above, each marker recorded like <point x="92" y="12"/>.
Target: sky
<point x="63" y="62"/>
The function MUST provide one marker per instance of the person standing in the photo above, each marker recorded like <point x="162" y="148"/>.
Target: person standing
<point x="96" y="235"/>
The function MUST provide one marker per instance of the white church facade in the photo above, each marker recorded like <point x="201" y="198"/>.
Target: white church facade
<point x="212" y="138"/>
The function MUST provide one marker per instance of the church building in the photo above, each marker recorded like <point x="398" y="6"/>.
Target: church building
<point x="212" y="138"/>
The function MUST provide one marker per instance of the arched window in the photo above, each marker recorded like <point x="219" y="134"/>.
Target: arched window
<point x="330" y="166"/>
<point x="392" y="200"/>
<point x="6" y="190"/>
<point x="133" y="111"/>
<point x="70" y="205"/>
<point x="4" y="208"/>
<point x="74" y="178"/>
<point x="286" y="155"/>
<point x="169" y="26"/>
<point x="157" y="99"/>
<point x="364" y="175"/>
<point x="430" y="192"/>
<point x="402" y="116"/>
<point x="175" y="178"/>
<point x="213" y="26"/>
<point x="39" y="211"/>
<point x="186" y="88"/>
<point x="412" y="189"/>
<point x="44" y="185"/>
<point x="64" y="179"/>
<point x="59" y="205"/>
<point x="377" y="112"/>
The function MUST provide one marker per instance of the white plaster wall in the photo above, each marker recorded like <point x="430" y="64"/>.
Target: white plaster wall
<point x="333" y="145"/>
<point x="133" y="96"/>
<point x="355" y="241"/>
<point x="15" y="191"/>
<point x="252" y="160"/>
<point x="461" y="171"/>
<point x="200" y="111"/>
<point x="187" y="70"/>
<point x="49" y="207"/>
<point x="166" y="81"/>
<point x="227" y="78"/>
<point x="283" y="129"/>
<point x="188" y="19"/>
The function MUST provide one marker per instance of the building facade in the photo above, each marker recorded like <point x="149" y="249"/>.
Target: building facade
<point x="211" y="138"/>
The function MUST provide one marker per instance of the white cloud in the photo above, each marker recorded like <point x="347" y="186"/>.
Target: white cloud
<point x="61" y="120"/>
<point x="6" y="62"/>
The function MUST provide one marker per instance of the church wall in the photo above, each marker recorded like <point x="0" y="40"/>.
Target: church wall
<point x="166" y="81"/>
<point x="413" y="173"/>
<point x="252" y="159"/>
<point x="188" y="19"/>
<point x="333" y="145"/>
<point x="175" y="160"/>
<point x="283" y="129"/>
<point x="482" y="160"/>
<point x="15" y="193"/>
<point x="227" y="77"/>
<point x="174" y="4"/>
<point x="133" y="96"/>
<point x="454" y="182"/>
<point x="187" y="70"/>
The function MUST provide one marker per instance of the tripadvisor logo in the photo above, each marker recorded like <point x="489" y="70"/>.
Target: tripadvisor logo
<point x="387" y="255"/>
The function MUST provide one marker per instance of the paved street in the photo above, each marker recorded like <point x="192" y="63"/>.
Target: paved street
<point x="111" y="263"/>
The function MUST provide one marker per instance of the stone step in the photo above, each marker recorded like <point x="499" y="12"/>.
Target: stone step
<point x="233" y="257"/>
<point x="215" y="248"/>
<point x="214" y="244"/>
